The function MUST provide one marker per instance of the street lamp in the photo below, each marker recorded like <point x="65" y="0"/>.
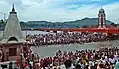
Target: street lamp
<point x="4" y="16"/>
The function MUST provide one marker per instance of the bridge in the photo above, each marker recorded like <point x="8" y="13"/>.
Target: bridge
<point x="92" y="30"/>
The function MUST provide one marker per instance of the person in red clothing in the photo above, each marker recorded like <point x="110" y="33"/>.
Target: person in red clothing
<point x="18" y="61"/>
<point x="25" y="64"/>
<point x="41" y="63"/>
<point x="36" y="66"/>
<point x="89" y="55"/>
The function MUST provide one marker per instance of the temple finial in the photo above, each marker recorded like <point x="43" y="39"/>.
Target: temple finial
<point x="13" y="10"/>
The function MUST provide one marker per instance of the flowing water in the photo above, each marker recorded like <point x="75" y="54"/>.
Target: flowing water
<point x="50" y="50"/>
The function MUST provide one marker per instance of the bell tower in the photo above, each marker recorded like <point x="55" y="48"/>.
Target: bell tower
<point x="101" y="19"/>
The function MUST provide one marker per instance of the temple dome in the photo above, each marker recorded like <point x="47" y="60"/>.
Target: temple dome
<point x="101" y="10"/>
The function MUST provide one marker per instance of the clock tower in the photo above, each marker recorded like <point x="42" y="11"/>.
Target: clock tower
<point x="101" y="19"/>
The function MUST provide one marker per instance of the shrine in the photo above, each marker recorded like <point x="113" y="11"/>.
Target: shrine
<point x="12" y="41"/>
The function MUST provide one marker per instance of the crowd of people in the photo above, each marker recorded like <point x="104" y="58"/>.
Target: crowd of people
<point x="103" y="58"/>
<point x="65" y="38"/>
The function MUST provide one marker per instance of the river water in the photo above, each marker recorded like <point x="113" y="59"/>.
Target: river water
<point x="50" y="50"/>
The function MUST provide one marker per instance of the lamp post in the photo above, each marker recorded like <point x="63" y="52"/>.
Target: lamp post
<point x="26" y="30"/>
<point x="4" y="20"/>
<point x="3" y="16"/>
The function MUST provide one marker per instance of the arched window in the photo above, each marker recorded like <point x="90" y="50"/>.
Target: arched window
<point x="12" y="39"/>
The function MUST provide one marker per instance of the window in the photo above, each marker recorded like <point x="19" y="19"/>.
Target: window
<point x="12" y="39"/>
<point x="12" y="52"/>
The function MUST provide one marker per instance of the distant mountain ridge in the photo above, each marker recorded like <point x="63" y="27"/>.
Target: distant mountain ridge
<point x="69" y="24"/>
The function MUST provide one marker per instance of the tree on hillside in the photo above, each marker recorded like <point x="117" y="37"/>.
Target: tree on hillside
<point x="23" y="24"/>
<point x="1" y="21"/>
<point x="113" y="24"/>
<point x="84" y="26"/>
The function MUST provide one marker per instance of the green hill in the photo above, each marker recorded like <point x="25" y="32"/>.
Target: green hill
<point x="69" y="24"/>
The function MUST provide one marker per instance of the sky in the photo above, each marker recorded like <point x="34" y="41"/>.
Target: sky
<point x="60" y="10"/>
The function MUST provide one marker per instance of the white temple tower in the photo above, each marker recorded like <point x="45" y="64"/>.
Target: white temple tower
<point x="12" y="32"/>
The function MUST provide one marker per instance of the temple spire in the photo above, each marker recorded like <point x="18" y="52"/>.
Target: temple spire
<point x="13" y="10"/>
<point x="12" y="31"/>
<point x="101" y="7"/>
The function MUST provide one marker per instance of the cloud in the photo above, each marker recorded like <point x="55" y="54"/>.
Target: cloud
<point x="60" y="10"/>
<point x="95" y="0"/>
<point x="112" y="11"/>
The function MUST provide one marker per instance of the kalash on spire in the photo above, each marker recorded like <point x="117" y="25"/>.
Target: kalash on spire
<point x="13" y="10"/>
